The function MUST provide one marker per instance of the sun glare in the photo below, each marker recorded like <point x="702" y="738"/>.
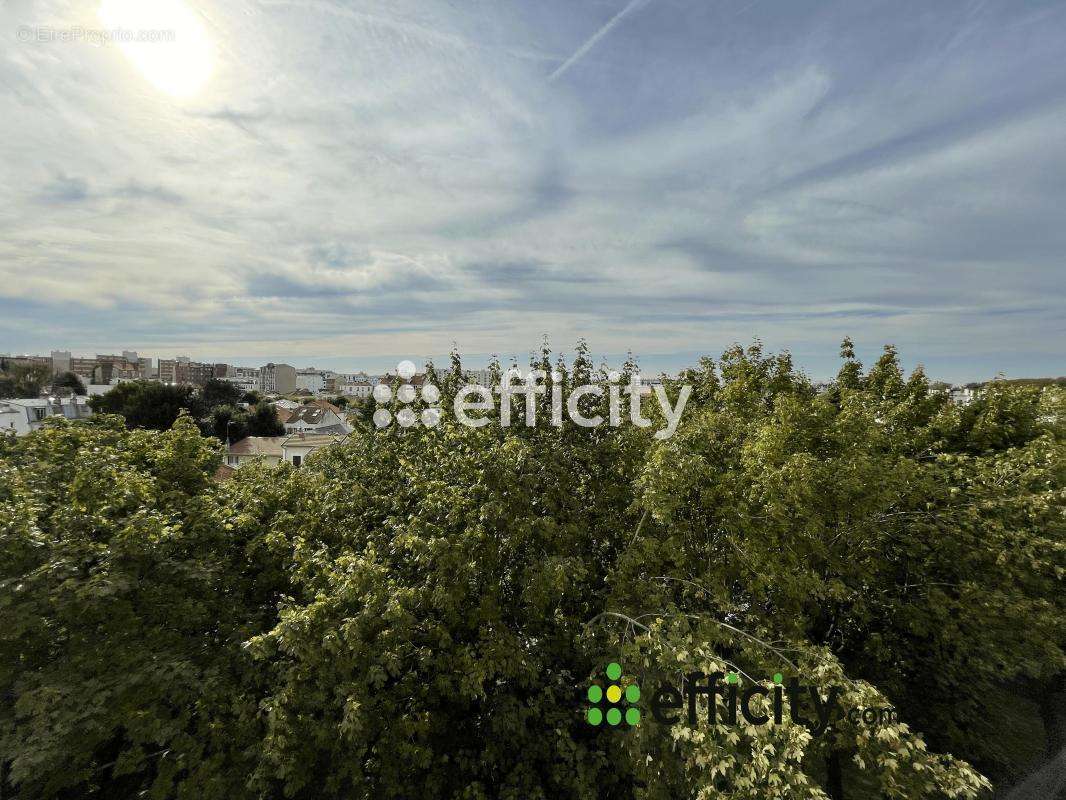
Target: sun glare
<point x="164" y="39"/>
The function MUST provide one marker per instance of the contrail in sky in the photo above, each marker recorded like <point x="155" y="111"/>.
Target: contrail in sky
<point x="633" y="5"/>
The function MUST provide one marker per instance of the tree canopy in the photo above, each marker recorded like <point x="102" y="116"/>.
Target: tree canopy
<point x="147" y="404"/>
<point x="69" y="380"/>
<point x="21" y="380"/>
<point x="215" y="405"/>
<point x="418" y="612"/>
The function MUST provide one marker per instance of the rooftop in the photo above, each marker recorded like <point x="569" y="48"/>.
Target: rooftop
<point x="258" y="446"/>
<point x="311" y="439"/>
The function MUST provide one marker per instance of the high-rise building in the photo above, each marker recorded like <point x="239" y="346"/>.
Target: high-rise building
<point x="60" y="362"/>
<point x="278" y="378"/>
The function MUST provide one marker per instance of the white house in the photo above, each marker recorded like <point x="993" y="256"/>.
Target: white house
<point x="299" y="446"/>
<point x="247" y="379"/>
<point x="357" y="389"/>
<point x="22" y="416"/>
<point x="315" y="418"/>
<point x="255" y="448"/>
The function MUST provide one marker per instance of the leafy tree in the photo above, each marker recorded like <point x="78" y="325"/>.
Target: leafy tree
<point x="922" y="544"/>
<point x="418" y="611"/>
<point x="262" y="420"/>
<point x="69" y="380"/>
<point x="230" y="423"/>
<point x="20" y="380"/>
<point x="147" y="404"/>
<point x="217" y="392"/>
<point x="226" y="423"/>
<point x="126" y="590"/>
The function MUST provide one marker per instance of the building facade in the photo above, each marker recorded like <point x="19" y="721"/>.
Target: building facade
<point x="272" y="450"/>
<point x="22" y="416"/>
<point x="278" y="378"/>
<point x="248" y="379"/>
<point x="311" y="379"/>
<point x="182" y="371"/>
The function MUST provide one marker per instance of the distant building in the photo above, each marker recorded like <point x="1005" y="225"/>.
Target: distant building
<point x="313" y="419"/>
<point x="248" y="379"/>
<point x="102" y="369"/>
<point x="22" y="416"/>
<point x="111" y="369"/>
<point x="356" y="389"/>
<point x="311" y="379"/>
<point x="60" y="362"/>
<point x="168" y="370"/>
<point x="36" y="362"/>
<point x="963" y="395"/>
<point x="84" y="368"/>
<point x="278" y="379"/>
<point x="293" y="449"/>
<point x="144" y="365"/>
<point x="182" y="371"/>
<point x="481" y="377"/>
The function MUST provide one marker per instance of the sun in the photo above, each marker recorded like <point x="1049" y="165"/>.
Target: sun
<point x="164" y="39"/>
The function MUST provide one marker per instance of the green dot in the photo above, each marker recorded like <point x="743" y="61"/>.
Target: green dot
<point x="614" y="716"/>
<point x="595" y="716"/>
<point x="595" y="694"/>
<point x="778" y="677"/>
<point x="614" y="670"/>
<point x="633" y="716"/>
<point x="732" y="677"/>
<point x="632" y="693"/>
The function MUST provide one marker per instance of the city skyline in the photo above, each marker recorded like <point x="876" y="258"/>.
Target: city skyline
<point x="352" y="184"/>
<point x="382" y="364"/>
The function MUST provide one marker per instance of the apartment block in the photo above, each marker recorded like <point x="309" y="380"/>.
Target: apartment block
<point x="182" y="371"/>
<point x="278" y="378"/>
<point x="249" y="379"/>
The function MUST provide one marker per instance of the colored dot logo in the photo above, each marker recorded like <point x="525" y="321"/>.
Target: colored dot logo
<point x="406" y="394"/>
<point x="613" y="703"/>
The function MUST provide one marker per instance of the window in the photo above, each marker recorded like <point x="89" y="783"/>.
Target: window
<point x="296" y="460"/>
<point x="39" y="413"/>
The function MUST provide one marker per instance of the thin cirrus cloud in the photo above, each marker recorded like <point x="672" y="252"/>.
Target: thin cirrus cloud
<point x="356" y="182"/>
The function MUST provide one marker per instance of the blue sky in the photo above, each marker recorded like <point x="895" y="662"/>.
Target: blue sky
<point x="359" y="182"/>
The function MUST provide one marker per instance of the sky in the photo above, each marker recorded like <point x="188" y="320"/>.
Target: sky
<point x="346" y="184"/>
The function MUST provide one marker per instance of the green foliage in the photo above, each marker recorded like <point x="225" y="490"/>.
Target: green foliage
<point x="69" y="380"/>
<point x="416" y="612"/>
<point x="147" y="404"/>
<point x="230" y="423"/>
<point x="126" y="591"/>
<point x="262" y="420"/>
<point x="922" y="543"/>
<point x="218" y="392"/>
<point x="19" y="380"/>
